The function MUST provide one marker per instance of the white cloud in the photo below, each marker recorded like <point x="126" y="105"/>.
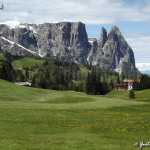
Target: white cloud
<point x="87" y="11"/>
<point x="140" y="43"/>
<point x="143" y="66"/>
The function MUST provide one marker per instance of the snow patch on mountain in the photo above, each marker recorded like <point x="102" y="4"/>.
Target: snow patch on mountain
<point x="32" y="29"/>
<point x="11" y="42"/>
<point x="40" y="53"/>
<point x="14" y="24"/>
<point x="7" y="40"/>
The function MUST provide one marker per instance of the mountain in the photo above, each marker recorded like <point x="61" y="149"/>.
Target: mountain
<point x="69" y="41"/>
<point x="112" y="52"/>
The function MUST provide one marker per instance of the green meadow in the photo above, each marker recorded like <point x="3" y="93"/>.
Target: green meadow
<point x="1" y="56"/>
<point x="83" y="69"/>
<point x="26" y="62"/>
<point x="39" y="119"/>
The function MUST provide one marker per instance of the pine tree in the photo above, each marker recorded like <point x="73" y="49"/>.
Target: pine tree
<point x="20" y="76"/>
<point x="118" y="80"/>
<point x="131" y="94"/>
<point x="27" y="75"/>
<point x="111" y="85"/>
<point x="87" y="84"/>
<point x="93" y="83"/>
<point x="98" y="86"/>
<point x="144" y="84"/>
<point x="3" y="72"/>
<point x="136" y="86"/>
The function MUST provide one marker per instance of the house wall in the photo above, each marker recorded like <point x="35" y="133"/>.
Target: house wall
<point x="130" y="85"/>
<point x="121" y="87"/>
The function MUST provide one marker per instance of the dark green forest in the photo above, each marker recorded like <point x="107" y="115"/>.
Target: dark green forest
<point x="61" y="75"/>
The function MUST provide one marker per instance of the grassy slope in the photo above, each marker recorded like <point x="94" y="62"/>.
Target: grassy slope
<point x="1" y="56"/>
<point x="84" y="69"/>
<point x="143" y="95"/>
<point x="110" y="77"/>
<point x="44" y="119"/>
<point x="24" y="62"/>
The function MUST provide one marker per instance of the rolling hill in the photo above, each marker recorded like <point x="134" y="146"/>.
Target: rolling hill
<point x="32" y="118"/>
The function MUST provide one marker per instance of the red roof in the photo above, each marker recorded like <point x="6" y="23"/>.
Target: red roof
<point x="130" y="80"/>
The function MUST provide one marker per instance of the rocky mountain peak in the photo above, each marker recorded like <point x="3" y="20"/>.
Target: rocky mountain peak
<point x="114" y="33"/>
<point x="69" y="41"/>
<point x="113" y="52"/>
<point x="114" y="28"/>
<point x="103" y="37"/>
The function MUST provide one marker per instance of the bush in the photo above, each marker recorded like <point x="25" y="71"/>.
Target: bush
<point x="131" y="94"/>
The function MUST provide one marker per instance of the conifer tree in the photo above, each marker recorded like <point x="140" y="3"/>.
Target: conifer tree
<point x="111" y="85"/>
<point x="87" y="84"/>
<point x="27" y="75"/>
<point x="131" y="94"/>
<point x="144" y="84"/>
<point x="118" y="80"/>
<point x="136" y="85"/>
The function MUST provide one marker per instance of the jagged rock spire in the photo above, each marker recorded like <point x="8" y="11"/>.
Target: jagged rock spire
<point x="103" y="37"/>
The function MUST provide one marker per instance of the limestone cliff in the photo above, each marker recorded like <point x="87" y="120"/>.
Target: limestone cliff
<point x="69" y="41"/>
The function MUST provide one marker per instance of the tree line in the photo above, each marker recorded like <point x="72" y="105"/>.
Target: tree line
<point x="143" y="83"/>
<point x="7" y="72"/>
<point x="61" y="75"/>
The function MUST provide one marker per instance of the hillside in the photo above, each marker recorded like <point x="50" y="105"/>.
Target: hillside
<point x="16" y="93"/>
<point x="143" y="95"/>
<point x="1" y="56"/>
<point x="49" y="73"/>
<point x="33" y="118"/>
<point x="26" y="62"/>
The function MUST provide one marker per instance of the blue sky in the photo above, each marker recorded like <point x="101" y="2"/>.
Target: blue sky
<point x="131" y="16"/>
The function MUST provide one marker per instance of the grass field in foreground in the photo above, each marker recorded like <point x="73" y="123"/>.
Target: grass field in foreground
<point x="32" y="119"/>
